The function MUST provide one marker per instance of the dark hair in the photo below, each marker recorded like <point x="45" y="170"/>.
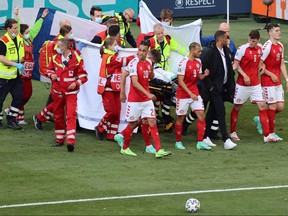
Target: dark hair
<point x="271" y="26"/>
<point x="107" y="42"/>
<point x="65" y="29"/>
<point x="156" y="55"/>
<point x="65" y="42"/>
<point x="145" y="43"/>
<point x="218" y="34"/>
<point x="111" y="21"/>
<point x="193" y="46"/>
<point x="254" y="34"/>
<point x="93" y="8"/>
<point x="166" y="14"/>
<point x="23" y="28"/>
<point x="113" y="30"/>
<point x="9" y="23"/>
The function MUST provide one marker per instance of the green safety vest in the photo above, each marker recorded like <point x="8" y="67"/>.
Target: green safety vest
<point x="12" y="54"/>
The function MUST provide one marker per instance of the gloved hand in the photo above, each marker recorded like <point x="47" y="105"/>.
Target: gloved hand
<point x="20" y="67"/>
<point x="81" y="45"/>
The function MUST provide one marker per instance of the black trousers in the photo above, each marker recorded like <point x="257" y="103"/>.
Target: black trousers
<point x="216" y="109"/>
<point x="15" y="88"/>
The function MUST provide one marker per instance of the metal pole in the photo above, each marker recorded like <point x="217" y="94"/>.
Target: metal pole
<point x="228" y="12"/>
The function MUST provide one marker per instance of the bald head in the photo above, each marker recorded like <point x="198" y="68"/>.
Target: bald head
<point x="129" y="14"/>
<point x="159" y="32"/>
<point x="157" y="27"/>
<point x="225" y="27"/>
<point x="65" y="22"/>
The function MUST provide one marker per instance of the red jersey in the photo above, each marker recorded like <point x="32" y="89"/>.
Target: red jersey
<point x="190" y="70"/>
<point x="272" y="58"/>
<point x="142" y="70"/>
<point x="249" y="59"/>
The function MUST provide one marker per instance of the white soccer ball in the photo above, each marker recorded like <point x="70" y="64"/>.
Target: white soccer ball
<point x="192" y="205"/>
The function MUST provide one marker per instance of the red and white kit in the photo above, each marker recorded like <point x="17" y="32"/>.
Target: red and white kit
<point x="249" y="59"/>
<point x="139" y="105"/>
<point x="72" y="71"/>
<point x="190" y="70"/>
<point x="272" y="58"/>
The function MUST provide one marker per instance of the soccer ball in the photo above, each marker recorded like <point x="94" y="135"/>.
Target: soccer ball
<point x="192" y="205"/>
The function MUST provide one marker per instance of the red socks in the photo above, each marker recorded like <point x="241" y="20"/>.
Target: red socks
<point x="201" y="127"/>
<point x="155" y="137"/>
<point x="146" y="135"/>
<point x="264" y="122"/>
<point x="271" y="116"/>
<point x="233" y="120"/>
<point x="178" y="132"/>
<point x="127" y="134"/>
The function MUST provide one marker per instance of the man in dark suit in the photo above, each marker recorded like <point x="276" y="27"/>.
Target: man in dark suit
<point x="219" y="86"/>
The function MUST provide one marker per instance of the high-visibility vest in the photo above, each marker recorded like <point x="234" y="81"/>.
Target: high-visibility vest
<point x="103" y="76"/>
<point x="169" y="44"/>
<point x="124" y="28"/>
<point x="12" y="54"/>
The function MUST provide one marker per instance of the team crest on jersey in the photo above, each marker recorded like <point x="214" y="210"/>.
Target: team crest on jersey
<point x="238" y="100"/>
<point x="71" y="73"/>
<point x="271" y="99"/>
<point x="179" y="69"/>
<point x="131" y="71"/>
<point x="280" y="49"/>
<point x="259" y="52"/>
<point x="131" y="118"/>
<point x="181" y="111"/>
<point x="198" y="65"/>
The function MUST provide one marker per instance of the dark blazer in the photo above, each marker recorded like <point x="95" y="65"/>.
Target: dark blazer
<point x="212" y="60"/>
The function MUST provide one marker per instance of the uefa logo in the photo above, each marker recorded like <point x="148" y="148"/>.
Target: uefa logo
<point x="178" y="3"/>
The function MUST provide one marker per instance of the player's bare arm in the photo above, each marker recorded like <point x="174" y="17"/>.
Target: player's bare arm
<point x="240" y="71"/>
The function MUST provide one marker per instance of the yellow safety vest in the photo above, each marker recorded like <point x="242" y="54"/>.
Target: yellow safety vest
<point x="169" y="44"/>
<point x="124" y="28"/>
<point x="12" y="54"/>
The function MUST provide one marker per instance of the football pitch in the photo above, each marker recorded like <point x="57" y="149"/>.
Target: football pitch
<point x="36" y="179"/>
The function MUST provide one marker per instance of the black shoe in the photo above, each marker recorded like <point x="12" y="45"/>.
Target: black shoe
<point x="70" y="147"/>
<point x="99" y="135"/>
<point x="37" y="123"/>
<point x="57" y="144"/>
<point x="1" y="126"/>
<point x="13" y="124"/>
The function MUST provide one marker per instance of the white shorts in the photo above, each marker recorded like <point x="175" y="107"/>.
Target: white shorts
<point x="273" y="94"/>
<point x="182" y="105"/>
<point x="242" y="93"/>
<point x="135" y="110"/>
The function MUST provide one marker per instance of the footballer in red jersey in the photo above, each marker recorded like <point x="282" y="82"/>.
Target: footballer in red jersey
<point x="187" y="95"/>
<point x="247" y="63"/>
<point x="273" y="59"/>
<point x="140" y="104"/>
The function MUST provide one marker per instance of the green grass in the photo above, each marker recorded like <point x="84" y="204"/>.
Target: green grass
<point x="32" y="171"/>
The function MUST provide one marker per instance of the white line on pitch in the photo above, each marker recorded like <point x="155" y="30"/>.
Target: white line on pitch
<point x="142" y="195"/>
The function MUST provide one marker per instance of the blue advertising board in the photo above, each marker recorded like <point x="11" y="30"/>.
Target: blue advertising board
<point x="79" y="8"/>
<point x="189" y="8"/>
